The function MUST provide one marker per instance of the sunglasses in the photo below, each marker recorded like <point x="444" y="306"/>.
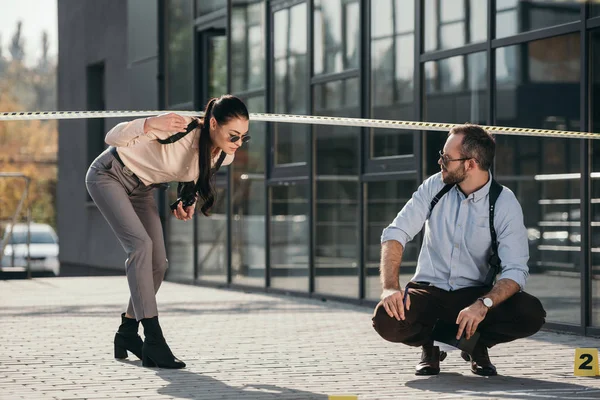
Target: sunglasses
<point x="235" y="138"/>
<point x="446" y="160"/>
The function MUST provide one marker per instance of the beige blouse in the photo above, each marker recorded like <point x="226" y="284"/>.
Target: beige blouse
<point x="154" y="162"/>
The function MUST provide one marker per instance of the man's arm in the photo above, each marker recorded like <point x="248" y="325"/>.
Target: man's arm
<point x="405" y="226"/>
<point x="389" y="268"/>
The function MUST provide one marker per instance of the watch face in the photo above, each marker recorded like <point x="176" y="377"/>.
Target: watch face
<point x="488" y="302"/>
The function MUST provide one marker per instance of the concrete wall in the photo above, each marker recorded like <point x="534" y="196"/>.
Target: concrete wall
<point x="122" y="34"/>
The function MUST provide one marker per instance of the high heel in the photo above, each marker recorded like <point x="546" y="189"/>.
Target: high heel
<point x="120" y="352"/>
<point x="155" y="351"/>
<point x="127" y="338"/>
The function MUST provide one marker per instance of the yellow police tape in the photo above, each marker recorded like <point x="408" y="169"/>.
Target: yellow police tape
<point x="302" y="119"/>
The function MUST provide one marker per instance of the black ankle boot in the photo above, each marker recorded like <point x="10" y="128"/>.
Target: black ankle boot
<point x="156" y="352"/>
<point x="127" y="338"/>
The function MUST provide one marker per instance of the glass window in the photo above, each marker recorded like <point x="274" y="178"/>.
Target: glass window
<point x="248" y="204"/>
<point x="336" y="35"/>
<point x="247" y="45"/>
<point x="180" y="242"/>
<point x="595" y="10"/>
<point x="455" y="92"/>
<point x="537" y="85"/>
<point x="212" y="240"/>
<point x="180" y="51"/>
<point x="289" y="237"/>
<point x="595" y="189"/>
<point x="204" y="7"/>
<point x="454" y="23"/>
<point x="384" y="202"/>
<point x="291" y="82"/>
<point x="392" y="68"/>
<point x="516" y="16"/>
<point x="337" y="161"/>
<point x="217" y="65"/>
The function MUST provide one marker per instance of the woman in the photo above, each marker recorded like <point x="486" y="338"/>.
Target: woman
<point x="144" y="154"/>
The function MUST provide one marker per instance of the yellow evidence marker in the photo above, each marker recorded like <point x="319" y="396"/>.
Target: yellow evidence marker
<point x="586" y="362"/>
<point x="343" y="397"/>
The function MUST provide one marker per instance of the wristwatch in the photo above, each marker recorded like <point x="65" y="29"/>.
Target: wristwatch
<point x="486" y="302"/>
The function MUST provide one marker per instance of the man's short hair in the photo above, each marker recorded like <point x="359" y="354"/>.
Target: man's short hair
<point x="477" y="143"/>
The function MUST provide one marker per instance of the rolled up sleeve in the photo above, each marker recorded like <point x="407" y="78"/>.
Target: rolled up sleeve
<point x="513" y="245"/>
<point x="126" y="133"/>
<point x="413" y="215"/>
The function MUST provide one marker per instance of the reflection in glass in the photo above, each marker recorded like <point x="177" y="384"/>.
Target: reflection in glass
<point x="180" y="243"/>
<point x="595" y="189"/>
<point x="538" y="86"/>
<point x="336" y="35"/>
<point x="217" y="72"/>
<point x="337" y="161"/>
<point x="454" y="23"/>
<point x="289" y="237"/>
<point x="180" y="51"/>
<point x="392" y="67"/>
<point x="595" y="10"/>
<point x="248" y="204"/>
<point x="290" y="90"/>
<point x="247" y="51"/>
<point x="384" y="202"/>
<point x="204" y="7"/>
<point x="516" y="16"/>
<point x="455" y="92"/>
<point x="212" y="240"/>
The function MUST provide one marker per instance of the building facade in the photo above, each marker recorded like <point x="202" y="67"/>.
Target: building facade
<point x="302" y="208"/>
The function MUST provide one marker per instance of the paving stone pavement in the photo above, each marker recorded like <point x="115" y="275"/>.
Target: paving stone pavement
<point x="56" y="343"/>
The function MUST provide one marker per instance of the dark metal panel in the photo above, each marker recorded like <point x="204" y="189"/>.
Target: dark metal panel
<point x="585" y="162"/>
<point x="269" y="94"/>
<point x="571" y="27"/>
<point x="593" y="23"/>
<point x="229" y="175"/>
<point x="335" y="76"/>
<point x="442" y="54"/>
<point x="311" y="154"/>
<point x="491" y="62"/>
<point x="365" y="104"/>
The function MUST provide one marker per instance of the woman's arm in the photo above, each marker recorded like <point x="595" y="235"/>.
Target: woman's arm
<point x="128" y="133"/>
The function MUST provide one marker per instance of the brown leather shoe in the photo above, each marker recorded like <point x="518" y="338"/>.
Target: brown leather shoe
<point x="480" y="361"/>
<point x="430" y="360"/>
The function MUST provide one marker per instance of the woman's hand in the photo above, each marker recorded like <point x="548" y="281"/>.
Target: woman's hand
<point x="184" y="214"/>
<point x="170" y="122"/>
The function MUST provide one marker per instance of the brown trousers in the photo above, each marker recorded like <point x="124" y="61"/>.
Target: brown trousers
<point x="519" y="316"/>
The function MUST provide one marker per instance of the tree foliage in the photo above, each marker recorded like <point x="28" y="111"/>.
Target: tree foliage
<point x="28" y="147"/>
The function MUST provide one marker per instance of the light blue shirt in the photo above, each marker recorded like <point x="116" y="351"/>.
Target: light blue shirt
<point x="457" y="241"/>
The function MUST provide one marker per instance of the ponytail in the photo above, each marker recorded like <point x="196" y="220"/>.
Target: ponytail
<point x="204" y="185"/>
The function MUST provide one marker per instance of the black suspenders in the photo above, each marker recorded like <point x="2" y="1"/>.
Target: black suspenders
<point x="494" y="260"/>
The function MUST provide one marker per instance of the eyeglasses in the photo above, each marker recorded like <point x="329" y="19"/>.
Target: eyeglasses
<point x="235" y="138"/>
<point x="446" y="160"/>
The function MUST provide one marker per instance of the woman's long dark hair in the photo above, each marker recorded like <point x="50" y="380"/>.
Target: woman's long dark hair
<point x="223" y="110"/>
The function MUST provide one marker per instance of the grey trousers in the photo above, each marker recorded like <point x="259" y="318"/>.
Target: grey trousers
<point x="129" y="207"/>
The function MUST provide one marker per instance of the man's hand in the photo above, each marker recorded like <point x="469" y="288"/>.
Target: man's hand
<point x="170" y="122"/>
<point x="184" y="214"/>
<point x="469" y="319"/>
<point x="393" y="302"/>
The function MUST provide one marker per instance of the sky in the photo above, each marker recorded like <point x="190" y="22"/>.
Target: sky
<point x="37" y="16"/>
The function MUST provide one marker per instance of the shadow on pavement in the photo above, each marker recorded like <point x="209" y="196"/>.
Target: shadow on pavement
<point x="184" y="384"/>
<point x="503" y="387"/>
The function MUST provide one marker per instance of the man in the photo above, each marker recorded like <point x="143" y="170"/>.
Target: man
<point x="450" y="281"/>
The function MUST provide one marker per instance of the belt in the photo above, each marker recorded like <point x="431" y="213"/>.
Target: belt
<point x="126" y="171"/>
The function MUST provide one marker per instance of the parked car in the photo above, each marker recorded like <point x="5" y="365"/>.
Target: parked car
<point x="42" y="252"/>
